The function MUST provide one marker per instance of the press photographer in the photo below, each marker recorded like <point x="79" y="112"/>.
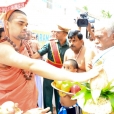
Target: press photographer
<point x="84" y="20"/>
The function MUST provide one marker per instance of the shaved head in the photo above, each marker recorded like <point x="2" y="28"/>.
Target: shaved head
<point x="73" y="63"/>
<point x="16" y="24"/>
<point x="12" y="16"/>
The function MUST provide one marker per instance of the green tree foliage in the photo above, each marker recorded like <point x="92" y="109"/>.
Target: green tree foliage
<point x="106" y="14"/>
<point x="85" y="8"/>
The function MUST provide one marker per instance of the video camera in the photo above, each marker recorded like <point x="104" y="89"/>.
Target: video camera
<point x="83" y="22"/>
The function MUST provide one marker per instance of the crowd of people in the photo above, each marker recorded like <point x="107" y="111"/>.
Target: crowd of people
<point x="22" y="64"/>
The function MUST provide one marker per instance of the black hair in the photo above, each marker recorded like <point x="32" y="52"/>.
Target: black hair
<point x="12" y="15"/>
<point x="73" y="63"/>
<point x="73" y="33"/>
<point x="1" y="30"/>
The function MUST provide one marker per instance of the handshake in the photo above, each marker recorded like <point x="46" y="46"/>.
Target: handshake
<point x="10" y="107"/>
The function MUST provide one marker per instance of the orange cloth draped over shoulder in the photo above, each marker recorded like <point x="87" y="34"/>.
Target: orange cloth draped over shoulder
<point x="14" y="87"/>
<point x="56" y="55"/>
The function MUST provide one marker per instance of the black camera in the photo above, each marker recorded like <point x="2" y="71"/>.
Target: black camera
<point x="83" y="22"/>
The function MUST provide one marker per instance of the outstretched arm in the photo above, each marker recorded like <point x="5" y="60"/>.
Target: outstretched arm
<point x="8" y="56"/>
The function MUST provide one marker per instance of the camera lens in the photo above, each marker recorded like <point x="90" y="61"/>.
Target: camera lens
<point x="82" y="22"/>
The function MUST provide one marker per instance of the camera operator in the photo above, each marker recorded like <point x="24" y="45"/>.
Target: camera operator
<point x="90" y="29"/>
<point x="84" y="20"/>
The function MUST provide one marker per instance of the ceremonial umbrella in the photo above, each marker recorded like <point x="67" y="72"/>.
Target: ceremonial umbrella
<point x="6" y="5"/>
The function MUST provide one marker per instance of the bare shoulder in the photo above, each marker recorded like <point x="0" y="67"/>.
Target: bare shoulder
<point x="89" y="51"/>
<point x="69" y="54"/>
<point x="69" y="51"/>
<point x="8" y="56"/>
<point x="89" y="55"/>
<point x="5" y="49"/>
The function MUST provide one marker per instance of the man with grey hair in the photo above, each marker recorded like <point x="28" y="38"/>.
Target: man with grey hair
<point x="104" y="42"/>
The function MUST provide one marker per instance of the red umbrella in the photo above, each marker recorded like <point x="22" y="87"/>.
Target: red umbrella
<point x="6" y="5"/>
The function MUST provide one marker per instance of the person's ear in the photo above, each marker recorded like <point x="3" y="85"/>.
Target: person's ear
<point x="113" y="36"/>
<point x="82" y="41"/>
<point x="6" y="24"/>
